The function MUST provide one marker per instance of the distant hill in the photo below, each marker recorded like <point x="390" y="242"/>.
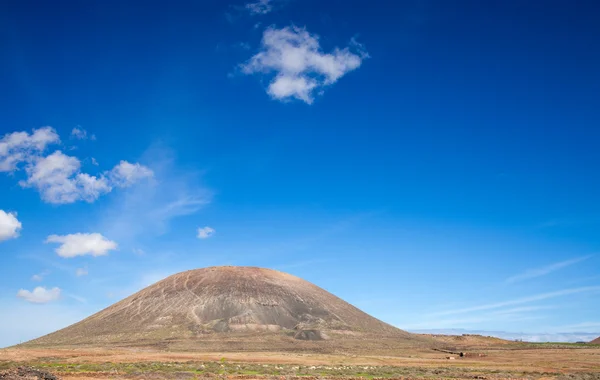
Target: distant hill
<point x="596" y="341"/>
<point x="555" y="336"/>
<point x="233" y="309"/>
<point x="469" y="340"/>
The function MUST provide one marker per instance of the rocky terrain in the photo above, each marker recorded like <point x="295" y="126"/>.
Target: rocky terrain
<point x="232" y="309"/>
<point x="26" y="373"/>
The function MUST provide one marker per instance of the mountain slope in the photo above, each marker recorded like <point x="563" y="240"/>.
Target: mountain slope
<point x="232" y="308"/>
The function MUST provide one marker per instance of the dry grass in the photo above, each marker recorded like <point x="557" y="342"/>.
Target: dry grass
<point x="519" y="363"/>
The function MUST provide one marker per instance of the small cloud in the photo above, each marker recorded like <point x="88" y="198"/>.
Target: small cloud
<point x="94" y="162"/>
<point x="139" y="252"/>
<point x="9" y="225"/>
<point x="298" y="66"/>
<point x="81" y="272"/>
<point x="261" y="7"/>
<point x="39" y="295"/>
<point x="243" y="45"/>
<point x="205" y="232"/>
<point x="79" y="244"/>
<point x="253" y="8"/>
<point x="40" y="276"/>
<point x="79" y="133"/>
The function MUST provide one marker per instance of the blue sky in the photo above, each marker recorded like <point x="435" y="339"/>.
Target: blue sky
<point x="433" y="163"/>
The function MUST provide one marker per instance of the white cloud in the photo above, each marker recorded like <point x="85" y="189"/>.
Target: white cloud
<point x="57" y="176"/>
<point x="59" y="181"/>
<point x="19" y="147"/>
<point x="299" y="66"/>
<point x="81" y="272"/>
<point x="538" y="272"/>
<point x="205" y="232"/>
<point x="79" y="244"/>
<point x="81" y="134"/>
<point x="138" y="251"/>
<point x="9" y="225"/>
<point x="260" y="7"/>
<point x="39" y="295"/>
<point x="126" y="174"/>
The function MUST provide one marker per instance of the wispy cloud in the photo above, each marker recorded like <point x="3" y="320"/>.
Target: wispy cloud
<point x="79" y="133"/>
<point x="520" y="301"/>
<point x="254" y="8"/>
<point x="49" y="261"/>
<point x="173" y="192"/>
<point x="472" y="320"/>
<point x="494" y="316"/>
<point x="77" y="298"/>
<point x="298" y="66"/>
<point x="568" y="222"/>
<point x="260" y="7"/>
<point x="38" y="277"/>
<point x="542" y="271"/>
<point x="521" y="309"/>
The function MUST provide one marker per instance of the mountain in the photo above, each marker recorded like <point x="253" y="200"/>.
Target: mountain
<point x="596" y="341"/>
<point x="232" y="309"/>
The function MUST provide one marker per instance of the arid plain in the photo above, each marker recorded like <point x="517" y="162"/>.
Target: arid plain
<point x="247" y="323"/>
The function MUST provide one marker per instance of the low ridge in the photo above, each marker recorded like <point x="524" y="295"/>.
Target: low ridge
<point x="595" y="341"/>
<point x="232" y="308"/>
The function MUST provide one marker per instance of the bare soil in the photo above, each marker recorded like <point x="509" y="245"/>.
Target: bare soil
<point x="495" y="362"/>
